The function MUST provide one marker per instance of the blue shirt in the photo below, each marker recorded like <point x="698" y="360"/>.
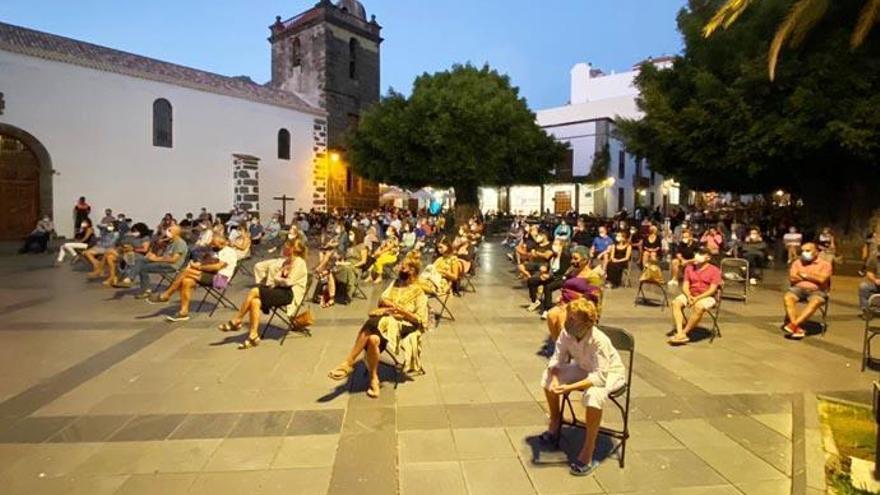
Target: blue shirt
<point x="600" y="244"/>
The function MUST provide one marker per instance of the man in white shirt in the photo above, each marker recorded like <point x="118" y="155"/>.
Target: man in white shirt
<point x="584" y="360"/>
<point x="214" y="272"/>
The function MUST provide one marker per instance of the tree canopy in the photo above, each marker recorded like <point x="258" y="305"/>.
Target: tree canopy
<point x="715" y="122"/>
<point x="462" y="128"/>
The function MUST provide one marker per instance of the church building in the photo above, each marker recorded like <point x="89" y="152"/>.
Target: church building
<point x="144" y="137"/>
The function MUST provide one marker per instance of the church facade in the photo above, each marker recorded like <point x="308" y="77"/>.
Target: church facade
<point x="145" y="137"/>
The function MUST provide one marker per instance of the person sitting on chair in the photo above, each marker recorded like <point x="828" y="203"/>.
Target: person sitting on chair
<point x="443" y="275"/>
<point x="523" y="250"/>
<point x="581" y="281"/>
<point x="585" y="360"/>
<point x="403" y="309"/>
<point x="214" y="272"/>
<point x="84" y="239"/>
<point x="550" y="278"/>
<point x="698" y="292"/>
<point x="620" y="255"/>
<point x="243" y="242"/>
<point x="538" y="257"/>
<point x="385" y="255"/>
<point x="810" y="278"/>
<point x="684" y="256"/>
<point x="755" y="252"/>
<point x="106" y="242"/>
<point x="171" y="259"/>
<point x="286" y="288"/>
<point x="581" y="236"/>
<point x="870" y="285"/>
<point x="601" y="246"/>
<point x="38" y="239"/>
<point x="652" y="246"/>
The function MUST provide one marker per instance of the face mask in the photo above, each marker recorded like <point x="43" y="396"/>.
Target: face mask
<point x="807" y="256"/>
<point x="83" y="226"/>
<point x="291" y="236"/>
<point x="577" y="331"/>
<point x="619" y="238"/>
<point x="110" y="228"/>
<point x="699" y="259"/>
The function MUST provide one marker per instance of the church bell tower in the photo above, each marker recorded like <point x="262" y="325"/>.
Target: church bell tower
<point x="329" y="56"/>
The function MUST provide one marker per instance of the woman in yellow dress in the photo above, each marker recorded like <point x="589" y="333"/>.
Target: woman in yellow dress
<point x="396" y="325"/>
<point x="441" y="276"/>
<point x="385" y="255"/>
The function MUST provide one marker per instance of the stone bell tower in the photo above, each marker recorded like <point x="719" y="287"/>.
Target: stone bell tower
<point x="329" y="56"/>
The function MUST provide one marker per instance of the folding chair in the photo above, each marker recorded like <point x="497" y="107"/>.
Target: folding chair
<point x="642" y="298"/>
<point x="823" y="314"/>
<point x="715" y="315"/>
<point x="169" y="277"/>
<point x="358" y="290"/>
<point x="735" y="271"/>
<point x="243" y="266"/>
<point x="871" y="330"/>
<point x="279" y="312"/>
<point x="443" y="299"/>
<point x="218" y="295"/>
<point x="623" y="341"/>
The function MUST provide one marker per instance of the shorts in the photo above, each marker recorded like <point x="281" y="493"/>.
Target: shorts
<point x="220" y="282"/>
<point x="706" y="303"/>
<point x="595" y="396"/>
<point x="804" y="295"/>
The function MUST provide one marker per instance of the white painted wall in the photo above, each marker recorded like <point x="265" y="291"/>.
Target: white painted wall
<point x="97" y="127"/>
<point x="581" y="138"/>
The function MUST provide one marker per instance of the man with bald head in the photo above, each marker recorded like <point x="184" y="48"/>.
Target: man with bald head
<point x="170" y="261"/>
<point x="810" y="279"/>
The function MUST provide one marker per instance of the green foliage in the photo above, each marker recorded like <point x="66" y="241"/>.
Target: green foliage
<point x="601" y="164"/>
<point x="462" y="128"/>
<point x="715" y="122"/>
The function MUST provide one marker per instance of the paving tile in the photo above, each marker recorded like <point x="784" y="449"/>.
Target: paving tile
<point x="262" y="424"/>
<point x="197" y="426"/>
<point x="369" y="420"/>
<point x="648" y="435"/>
<point x="772" y="487"/>
<point x="553" y="479"/>
<point x="317" y="422"/>
<point x="426" y="446"/>
<point x="482" y="443"/>
<point x="302" y="481"/>
<point x="90" y="429"/>
<point x="376" y="450"/>
<point x="35" y="429"/>
<point x="148" y="427"/>
<point x="464" y="393"/>
<point x="648" y="470"/>
<point x="520" y="413"/>
<point x="421" y="418"/>
<point x="432" y="478"/>
<point x="113" y="459"/>
<point x="228" y="483"/>
<point x="151" y="484"/>
<point x="495" y="476"/>
<point x="244" y="454"/>
<point x="179" y="456"/>
<point x="306" y="451"/>
<point x="472" y="416"/>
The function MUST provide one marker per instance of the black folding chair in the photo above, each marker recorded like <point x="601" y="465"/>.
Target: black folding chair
<point x="218" y="295"/>
<point x="642" y="298"/>
<point x="823" y="314"/>
<point x="443" y="299"/>
<point x="872" y="330"/>
<point x="358" y="290"/>
<point x="623" y="341"/>
<point x="289" y="326"/>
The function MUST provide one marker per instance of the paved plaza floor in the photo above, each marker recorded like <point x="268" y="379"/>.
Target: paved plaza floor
<point x="100" y="395"/>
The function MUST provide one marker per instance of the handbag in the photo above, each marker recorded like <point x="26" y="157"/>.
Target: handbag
<point x="304" y="319"/>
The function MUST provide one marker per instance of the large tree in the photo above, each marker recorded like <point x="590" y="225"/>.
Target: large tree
<point x="462" y="128"/>
<point x="715" y="122"/>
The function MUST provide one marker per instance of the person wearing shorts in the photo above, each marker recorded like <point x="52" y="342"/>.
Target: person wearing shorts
<point x="698" y="291"/>
<point x="214" y="272"/>
<point x="810" y="278"/>
<point x="584" y="359"/>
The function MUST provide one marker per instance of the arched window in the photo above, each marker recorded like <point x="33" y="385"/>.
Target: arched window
<point x="284" y="144"/>
<point x="353" y="46"/>
<point x="296" y="54"/>
<point x="162" y="123"/>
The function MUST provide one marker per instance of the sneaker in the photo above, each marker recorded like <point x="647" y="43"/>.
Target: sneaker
<point x="544" y="315"/>
<point x="156" y="299"/>
<point x="753" y="281"/>
<point x="672" y="283"/>
<point x="790" y="328"/>
<point x="176" y="318"/>
<point x="509" y="256"/>
<point x="144" y="295"/>
<point x="578" y="468"/>
<point x="534" y="306"/>
<point x="798" y="334"/>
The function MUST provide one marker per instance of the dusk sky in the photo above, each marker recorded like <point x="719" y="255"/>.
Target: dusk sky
<point x="536" y="42"/>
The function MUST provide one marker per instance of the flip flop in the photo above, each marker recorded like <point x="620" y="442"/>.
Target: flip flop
<point x="250" y="343"/>
<point x="341" y="372"/>
<point x="675" y="341"/>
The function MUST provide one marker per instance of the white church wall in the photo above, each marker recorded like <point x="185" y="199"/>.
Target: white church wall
<point x="581" y="138"/>
<point x="97" y="127"/>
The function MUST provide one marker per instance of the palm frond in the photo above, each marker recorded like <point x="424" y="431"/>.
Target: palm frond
<point x="869" y="16"/>
<point x="802" y="17"/>
<point x="726" y="15"/>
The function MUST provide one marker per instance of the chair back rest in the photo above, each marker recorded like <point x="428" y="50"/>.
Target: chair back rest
<point x="731" y="264"/>
<point x="620" y="338"/>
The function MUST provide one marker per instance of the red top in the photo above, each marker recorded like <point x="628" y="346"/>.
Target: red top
<point x="699" y="279"/>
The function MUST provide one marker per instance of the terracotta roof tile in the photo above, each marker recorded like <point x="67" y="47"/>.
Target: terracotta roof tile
<point x="60" y="49"/>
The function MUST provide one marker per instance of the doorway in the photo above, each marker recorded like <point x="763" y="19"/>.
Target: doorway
<point x="25" y="182"/>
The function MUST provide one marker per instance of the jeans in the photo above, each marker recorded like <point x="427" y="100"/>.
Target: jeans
<point x="143" y="268"/>
<point x="756" y="261"/>
<point x="866" y="290"/>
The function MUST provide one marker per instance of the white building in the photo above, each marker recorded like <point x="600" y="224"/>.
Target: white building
<point x="586" y="124"/>
<point x="141" y="136"/>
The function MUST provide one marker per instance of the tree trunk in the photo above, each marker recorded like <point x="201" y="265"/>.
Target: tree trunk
<point x="467" y="203"/>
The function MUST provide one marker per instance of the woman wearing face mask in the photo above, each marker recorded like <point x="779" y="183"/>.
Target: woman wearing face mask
<point x="651" y="246"/>
<point x="580" y="282"/>
<point x="386" y="255"/>
<point x="584" y="359"/>
<point x="84" y="239"/>
<point x="552" y="274"/>
<point x="621" y="254"/>
<point x="402" y="311"/>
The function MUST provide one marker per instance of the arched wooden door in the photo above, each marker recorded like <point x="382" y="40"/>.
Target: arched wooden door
<point x="19" y="188"/>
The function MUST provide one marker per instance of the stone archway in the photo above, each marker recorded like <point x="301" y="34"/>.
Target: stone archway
<point x="25" y="182"/>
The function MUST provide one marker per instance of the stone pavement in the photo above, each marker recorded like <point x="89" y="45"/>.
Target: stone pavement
<point x="101" y="396"/>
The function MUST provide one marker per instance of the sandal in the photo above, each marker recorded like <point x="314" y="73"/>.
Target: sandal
<point x="373" y="391"/>
<point x="578" y="468"/>
<point x="250" y="343"/>
<point x="229" y="326"/>
<point x="678" y="341"/>
<point x="341" y="372"/>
